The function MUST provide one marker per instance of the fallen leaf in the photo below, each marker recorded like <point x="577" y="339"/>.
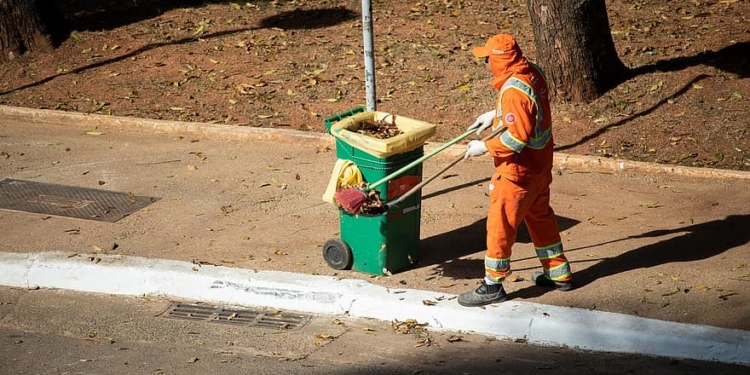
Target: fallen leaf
<point x="314" y="72"/>
<point x="725" y="296"/>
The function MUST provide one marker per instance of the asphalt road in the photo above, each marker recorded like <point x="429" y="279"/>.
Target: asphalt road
<point x="62" y="332"/>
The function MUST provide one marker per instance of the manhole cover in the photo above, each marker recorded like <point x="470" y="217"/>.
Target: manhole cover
<point x="239" y="317"/>
<point x="69" y="201"/>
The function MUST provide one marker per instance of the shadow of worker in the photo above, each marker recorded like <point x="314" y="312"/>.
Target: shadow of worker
<point x="445" y="250"/>
<point x="701" y="241"/>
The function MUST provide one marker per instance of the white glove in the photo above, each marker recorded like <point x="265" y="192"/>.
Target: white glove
<point x="475" y="148"/>
<point x="484" y="121"/>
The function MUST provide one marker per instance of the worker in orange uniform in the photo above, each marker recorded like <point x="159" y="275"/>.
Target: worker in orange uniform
<point x="519" y="189"/>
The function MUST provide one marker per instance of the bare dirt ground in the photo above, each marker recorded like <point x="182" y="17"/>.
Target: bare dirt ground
<point x="291" y="64"/>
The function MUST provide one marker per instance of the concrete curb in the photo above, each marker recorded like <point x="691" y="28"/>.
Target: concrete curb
<point x="534" y="323"/>
<point x="563" y="162"/>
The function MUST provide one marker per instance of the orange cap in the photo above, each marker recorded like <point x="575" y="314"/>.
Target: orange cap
<point x="501" y="46"/>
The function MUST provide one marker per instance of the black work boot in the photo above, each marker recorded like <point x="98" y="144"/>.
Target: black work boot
<point x="483" y="295"/>
<point x="539" y="279"/>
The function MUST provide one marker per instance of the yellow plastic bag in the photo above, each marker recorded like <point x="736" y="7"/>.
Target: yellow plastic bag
<point x="345" y="174"/>
<point x="415" y="133"/>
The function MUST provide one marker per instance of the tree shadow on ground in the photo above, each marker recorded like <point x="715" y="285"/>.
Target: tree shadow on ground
<point x="633" y="117"/>
<point x="94" y="15"/>
<point x="298" y="19"/>
<point x="734" y="59"/>
<point x="445" y="250"/>
<point x="702" y="241"/>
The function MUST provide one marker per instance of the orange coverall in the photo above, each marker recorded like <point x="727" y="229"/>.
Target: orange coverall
<point x="519" y="189"/>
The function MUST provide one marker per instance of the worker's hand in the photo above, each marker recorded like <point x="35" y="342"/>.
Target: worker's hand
<point x="475" y="148"/>
<point x="484" y="121"/>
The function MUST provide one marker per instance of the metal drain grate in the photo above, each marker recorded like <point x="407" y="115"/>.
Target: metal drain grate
<point x="69" y="201"/>
<point x="237" y="317"/>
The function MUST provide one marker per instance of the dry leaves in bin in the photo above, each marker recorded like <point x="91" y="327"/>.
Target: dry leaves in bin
<point x="382" y="129"/>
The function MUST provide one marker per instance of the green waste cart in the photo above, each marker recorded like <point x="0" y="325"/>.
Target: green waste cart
<point x="389" y="242"/>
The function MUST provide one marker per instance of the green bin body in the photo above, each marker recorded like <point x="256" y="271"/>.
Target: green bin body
<point x="386" y="243"/>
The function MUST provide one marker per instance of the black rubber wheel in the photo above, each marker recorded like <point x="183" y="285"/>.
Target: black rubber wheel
<point x="337" y="254"/>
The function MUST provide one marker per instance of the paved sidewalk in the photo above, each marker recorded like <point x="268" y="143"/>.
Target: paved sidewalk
<point x="645" y="241"/>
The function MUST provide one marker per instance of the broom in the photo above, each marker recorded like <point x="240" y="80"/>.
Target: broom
<point x="351" y="200"/>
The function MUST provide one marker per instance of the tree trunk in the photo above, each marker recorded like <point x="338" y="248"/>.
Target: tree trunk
<point x="575" y="48"/>
<point x="28" y="26"/>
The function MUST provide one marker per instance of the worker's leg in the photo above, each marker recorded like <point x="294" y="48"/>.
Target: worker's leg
<point x="509" y="202"/>
<point x="545" y="234"/>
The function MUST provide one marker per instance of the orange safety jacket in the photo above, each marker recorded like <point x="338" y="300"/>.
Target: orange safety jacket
<point x="524" y="151"/>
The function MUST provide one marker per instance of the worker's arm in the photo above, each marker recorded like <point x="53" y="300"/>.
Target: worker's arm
<point x="519" y="116"/>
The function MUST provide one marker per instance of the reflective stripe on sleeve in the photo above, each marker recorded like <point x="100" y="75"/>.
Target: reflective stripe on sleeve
<point x="511" y="142"/>
<point x="539" y="139"/>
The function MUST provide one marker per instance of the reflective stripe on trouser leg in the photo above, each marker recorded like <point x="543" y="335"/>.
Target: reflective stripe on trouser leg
<point x="556" y="266"/>
<point x="509" y="202"/>
<point x="545" y="234"/>
<point x="496" y="269"/>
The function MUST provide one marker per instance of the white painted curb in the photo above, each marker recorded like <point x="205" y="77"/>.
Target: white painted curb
<point x="537" y="324"/>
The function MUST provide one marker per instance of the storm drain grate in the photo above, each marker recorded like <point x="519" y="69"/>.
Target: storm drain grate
<point x="237" y="317"/>
<point x="69" y="201"/>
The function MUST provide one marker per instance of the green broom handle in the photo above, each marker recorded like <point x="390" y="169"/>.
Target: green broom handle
<point x="420" y="160"/>
<point x="420" y="185"/>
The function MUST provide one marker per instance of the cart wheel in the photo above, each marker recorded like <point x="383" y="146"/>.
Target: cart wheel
<point x="337" y="254"/>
